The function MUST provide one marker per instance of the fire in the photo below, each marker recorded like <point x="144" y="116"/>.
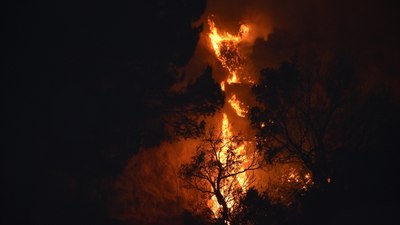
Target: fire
<point x="304" y="181"/>
<point x="232" y="79"/>
<point x="241" y="178"/>
<point x="226" y="49"/>
<point x="226" y="128"/>
<point x="236" y="105"/>
<point x="223" y="86"/>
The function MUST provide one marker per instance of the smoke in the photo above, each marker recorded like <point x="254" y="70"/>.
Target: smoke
<point x="149" y="190"/>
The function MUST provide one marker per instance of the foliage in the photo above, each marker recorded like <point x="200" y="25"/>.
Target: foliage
<point x="185" y="111"/>
<point x="299" y="114"/>
<point x="256" y="208"/>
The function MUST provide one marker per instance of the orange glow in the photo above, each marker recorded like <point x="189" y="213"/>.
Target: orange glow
<point x="303" y="180"/>
<point x="232" y="79"/>
<point x="236" y="105"/>
<point x="241" y="178"/>
<point x="222" y="86"/>
<point x="226" y="48"/>
<point x="226" y="128"/>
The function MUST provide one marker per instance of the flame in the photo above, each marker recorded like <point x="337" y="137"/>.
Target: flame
<point x="241" y="178"/>
<point x="304" y="181"/>
<point x="226" y="49"/>
<point x="223" y="86"/>
<point x="226" y="128"/>
<point x="232" y="79"/>
<point x="236" y="105"/>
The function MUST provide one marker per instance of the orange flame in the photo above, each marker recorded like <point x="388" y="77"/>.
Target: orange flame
<point x="303" y="180"/>
<point x="226" y="49"/>
<point x="236" y="105"/>
<point x="241" y="178"/>
<point x="232" y="79"/>
<point x="223" y="86"/>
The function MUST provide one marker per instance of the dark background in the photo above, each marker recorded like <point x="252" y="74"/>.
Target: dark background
<point x="77" y="80"/>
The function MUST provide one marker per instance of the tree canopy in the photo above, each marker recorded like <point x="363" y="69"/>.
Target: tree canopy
<point x="299" y="114"/>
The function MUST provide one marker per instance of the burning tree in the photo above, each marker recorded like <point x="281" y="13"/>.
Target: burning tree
<point x="216" y="170"/>
<point x="299" y="117"/>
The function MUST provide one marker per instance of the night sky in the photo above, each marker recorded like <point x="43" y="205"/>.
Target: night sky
<point x="84" y="87"/>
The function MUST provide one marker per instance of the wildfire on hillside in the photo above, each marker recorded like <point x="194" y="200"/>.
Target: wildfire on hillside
<point x="226" y="48"/>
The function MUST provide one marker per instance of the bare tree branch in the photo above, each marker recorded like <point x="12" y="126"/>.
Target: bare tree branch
<point x="215" y="168"/>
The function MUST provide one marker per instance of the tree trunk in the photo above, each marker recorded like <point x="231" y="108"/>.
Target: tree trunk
<point x="221" y="201"/>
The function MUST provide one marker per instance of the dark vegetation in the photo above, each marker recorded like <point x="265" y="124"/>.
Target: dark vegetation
<point x="301" y="116"/>
<point x="323" y="121"/>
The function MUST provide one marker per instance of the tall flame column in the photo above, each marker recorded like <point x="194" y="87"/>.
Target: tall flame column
<point x="225" y="47"/>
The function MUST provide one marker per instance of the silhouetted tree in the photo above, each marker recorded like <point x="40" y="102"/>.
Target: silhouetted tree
<point x="300" y="114"/>
<point x="215" y="170"/>
<point x="255" y="208"/>
<point x="185" y="111"/>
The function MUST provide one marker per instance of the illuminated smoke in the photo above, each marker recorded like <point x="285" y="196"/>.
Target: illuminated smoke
<point x="149" y="190"/>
